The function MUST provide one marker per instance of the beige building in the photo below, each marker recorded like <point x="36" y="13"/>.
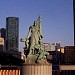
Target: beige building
<point x="1" y="43"/>
<point x="49" y="47"/>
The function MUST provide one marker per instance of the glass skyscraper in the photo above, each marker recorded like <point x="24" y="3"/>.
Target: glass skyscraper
<point x="12" y="33"/>
<point x="74" y="18"/>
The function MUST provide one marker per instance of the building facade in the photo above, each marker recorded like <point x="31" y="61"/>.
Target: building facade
<point x="3" y="35"/>
<point x="49" y="47"/>
<point x="69" y="54"/>
<point x="12" y="33"/>
<point x="1" y="44"/>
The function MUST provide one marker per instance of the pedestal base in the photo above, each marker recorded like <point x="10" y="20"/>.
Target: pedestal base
<point x="36" y="69"/>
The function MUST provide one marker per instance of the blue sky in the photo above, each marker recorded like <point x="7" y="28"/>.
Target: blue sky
<point x="56" y="16"/>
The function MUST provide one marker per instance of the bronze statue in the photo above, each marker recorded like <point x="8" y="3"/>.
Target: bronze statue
<point x="33" y="42"/>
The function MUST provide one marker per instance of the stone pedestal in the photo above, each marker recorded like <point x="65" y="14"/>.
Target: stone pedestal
<point x="36" y="69"/>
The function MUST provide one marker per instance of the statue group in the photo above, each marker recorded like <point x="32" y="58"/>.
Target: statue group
<point x="33" y="42"/>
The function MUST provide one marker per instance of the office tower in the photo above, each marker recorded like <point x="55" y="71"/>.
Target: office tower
<point x="12" y="33"/>
<point x="74" y="18"/>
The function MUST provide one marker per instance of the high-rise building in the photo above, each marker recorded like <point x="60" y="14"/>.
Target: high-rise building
<point x="74" y="18"/>
<point x="12" y="33"/>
